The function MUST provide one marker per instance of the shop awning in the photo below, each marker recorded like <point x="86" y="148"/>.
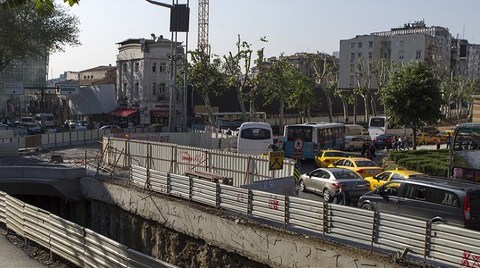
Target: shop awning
<point x="123" y="112"/>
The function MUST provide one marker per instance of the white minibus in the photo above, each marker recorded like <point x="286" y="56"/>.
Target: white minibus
<point x="254" y="138"/>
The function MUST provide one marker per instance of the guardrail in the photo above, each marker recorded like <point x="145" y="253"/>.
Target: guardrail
<point x="72" y="242"/>
<point x="178" y="159"/>
<point x="435" y="243"/>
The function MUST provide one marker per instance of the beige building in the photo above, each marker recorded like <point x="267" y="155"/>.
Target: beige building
<point x="144" y="81"/>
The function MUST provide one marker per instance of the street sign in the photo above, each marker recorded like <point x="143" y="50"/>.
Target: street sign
<point x="298" y="144"/>
<point x="69" y="87"/>
<point x="275" y="160"/>
<point x="14" y="88"/>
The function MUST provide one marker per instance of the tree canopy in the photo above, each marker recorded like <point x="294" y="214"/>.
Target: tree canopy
<point x="26" y="34"/>
<point x="42" y="6"/>
<point x="413" y="96"/>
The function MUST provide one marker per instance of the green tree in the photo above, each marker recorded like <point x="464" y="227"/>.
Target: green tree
<point x="303" y="95"/>
<point x="206" y="78"/>
<point x="42" y="6"/>
<point x="237" y="68"/>
<point x="413" y="96"/>
<point x="285" y="84"/>
<point x="29" y="34"/>
<point x="325" y="72"/>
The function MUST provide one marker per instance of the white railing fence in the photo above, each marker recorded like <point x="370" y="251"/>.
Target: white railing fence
<point x="70" y="241"/>
<point x="426" y="242"/>
<point x="177" y="159"/>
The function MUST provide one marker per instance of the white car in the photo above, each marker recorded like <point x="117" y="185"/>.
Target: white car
<point x="109" y="127"/>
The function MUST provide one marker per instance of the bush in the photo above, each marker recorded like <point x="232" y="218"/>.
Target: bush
<point x="433" y="162"/>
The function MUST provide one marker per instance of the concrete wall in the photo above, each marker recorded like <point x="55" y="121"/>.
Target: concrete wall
<point x="232" y="233"/>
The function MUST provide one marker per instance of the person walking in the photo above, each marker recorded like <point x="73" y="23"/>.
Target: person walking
<point x="449" y="139"/>
<point x="439" y="143"/>
<point x="342" y="197"/>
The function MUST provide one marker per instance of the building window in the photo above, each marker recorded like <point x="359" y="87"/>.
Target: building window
<point x="124" y="68"/>
<point x="136" y="88"/>
<point x="359" y="55"/>
<point x="154" y="67"/>
<point x="162" y="68"/>
<point x="124" y="86"/>
<point x="352" y="80"/>
<point x="154" y="88"/>
<point x="370" y="55"/>
<point x="418" y="54"/>
<point x="352" y="68"/>
<point x="370" y="44"/>
<point x="352" y="45"/>
<point x="352" y="57"/>
<point x="400" y="54"/>
<point x="359" y="44"/>
<point x="137" y="66"/>
<point x="161" y="88"/>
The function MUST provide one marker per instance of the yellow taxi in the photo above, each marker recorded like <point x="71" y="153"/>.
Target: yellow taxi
<point x="388" y="175"/>
<point x="445" y="134"/>
<point x="363" y="166"/>
<point x="326" y="157"/>
<point x="423" y="138"/>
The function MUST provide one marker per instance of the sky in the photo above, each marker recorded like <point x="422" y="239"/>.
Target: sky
<point x="289" y="26"/>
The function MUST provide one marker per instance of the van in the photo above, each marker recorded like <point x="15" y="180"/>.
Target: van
<point x="254" y="138"/>
<point x="45" y="119"/>
<point x="438" y="200"/>
<point x="354" y="130"/>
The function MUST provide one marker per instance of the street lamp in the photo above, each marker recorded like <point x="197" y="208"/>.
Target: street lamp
<point x="179" y="22"/>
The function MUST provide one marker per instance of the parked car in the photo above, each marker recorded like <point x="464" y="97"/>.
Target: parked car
<point x="326" y="157"/>
<point x="363" y="166"/>
<point x="109" y="127"/>
<point x="439" y="200"/>
<point x="80" y="127"/>
<point x="33" y="128"/>
<point x="423" y="138"/>
<point x="388" y="175"/>
<point x="27" y="119"/>
<point x="383" y="141"/>
<point x="353" y="143"/>
<point x="326" y="181"/>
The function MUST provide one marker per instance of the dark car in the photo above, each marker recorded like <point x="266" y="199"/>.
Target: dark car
<point x="383" y="141"/>
<point x="440" y="200"/>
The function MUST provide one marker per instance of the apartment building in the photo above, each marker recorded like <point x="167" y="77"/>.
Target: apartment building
<point x="412" y="43"/>
<point x="144" y="81"/>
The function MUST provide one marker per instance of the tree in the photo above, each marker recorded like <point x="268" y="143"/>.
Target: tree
<point x="206" y="78"/>
<point x="363" y="76"/>
<point x="31" y="34"/>
<point x="42" y="6"/>
<point x="325" y="72"/>
<point x="412" y="97"/>
<point x="303" y="95"/>
<point x="237" y="68"/>
<point x="283" y="80"/>
<point x="381" y="70"/>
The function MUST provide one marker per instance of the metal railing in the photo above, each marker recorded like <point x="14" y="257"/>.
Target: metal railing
<point x="177" y="159"/>
<point x="72" y="242"/>
<point x="438" y="243"/>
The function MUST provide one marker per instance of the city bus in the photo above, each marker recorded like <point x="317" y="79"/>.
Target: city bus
<point x="377" y="125"/>
<point x="465" y="152"/>
<point x="254" y="138"/>
<point x="304" y="141"/>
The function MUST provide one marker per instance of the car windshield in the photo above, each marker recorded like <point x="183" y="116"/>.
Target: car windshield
<point x="365" y="163"/>
<point x="345" y="174"/>
<point x="334" y="154"/>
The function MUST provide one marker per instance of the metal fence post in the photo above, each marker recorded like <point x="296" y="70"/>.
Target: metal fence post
<point x="374" y="228"/>
<point x="190" y="188"/>
<point x="428" y="225"/>
<point x="286" y="210"/>
<point x="325" y="222"/>
<point x="169" y="184"/>
<point x="250" y="203"/>
<point x="217" y="195"/>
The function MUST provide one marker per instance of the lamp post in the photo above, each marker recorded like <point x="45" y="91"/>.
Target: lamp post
<point x="179" y="22"/>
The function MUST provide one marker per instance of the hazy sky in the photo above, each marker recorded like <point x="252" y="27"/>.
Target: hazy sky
<point x="290" y="26"/>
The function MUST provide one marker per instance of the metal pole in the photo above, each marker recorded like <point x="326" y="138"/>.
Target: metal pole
<point x="171" y="91"/>
<point x="185" y="79"/>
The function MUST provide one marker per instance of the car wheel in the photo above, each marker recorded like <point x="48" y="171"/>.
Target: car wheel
<point x="367" y="207"/>
<point x="326" y="196"/>
<point x="351" y="148"/>
<point x="302" y="186"/>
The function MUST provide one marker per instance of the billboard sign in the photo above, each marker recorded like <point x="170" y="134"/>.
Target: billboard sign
<point x="14" y="88"/>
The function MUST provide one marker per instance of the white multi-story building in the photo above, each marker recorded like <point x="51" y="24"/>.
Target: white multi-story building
<point x="412" y="43"/>
<point x="144" y="80"/>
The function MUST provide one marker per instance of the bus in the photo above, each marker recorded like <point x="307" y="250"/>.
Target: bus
<point x="227" y="120"/>
<point x="304" y="141"/>
<point x="254" y="138"/>
<point x="465" y="152"/>
<point x="377" y="125"/>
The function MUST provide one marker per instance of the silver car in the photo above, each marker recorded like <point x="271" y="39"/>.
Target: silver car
<point x="327" y="180"/>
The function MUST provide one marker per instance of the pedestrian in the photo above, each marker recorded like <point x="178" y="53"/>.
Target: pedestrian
<point x="399" y="144"/>
<point x="449" y="139"/>
<point x="439" y="143"/>
<point x="342" y="197"/>
<point x="406" y="145"/>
